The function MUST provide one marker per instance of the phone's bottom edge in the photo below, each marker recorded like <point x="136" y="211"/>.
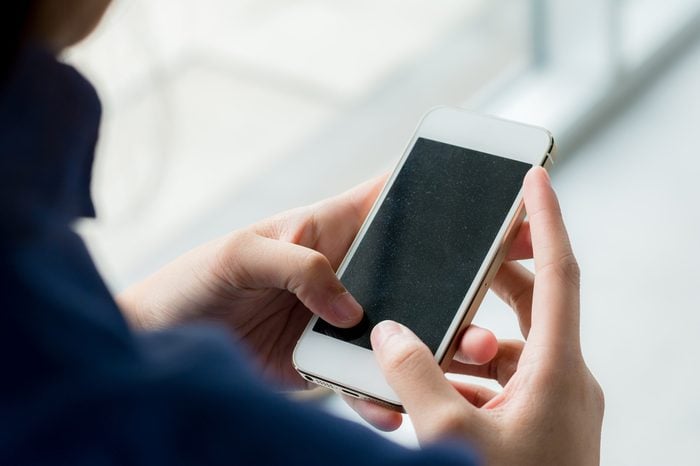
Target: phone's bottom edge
<point x="342" y="390"/>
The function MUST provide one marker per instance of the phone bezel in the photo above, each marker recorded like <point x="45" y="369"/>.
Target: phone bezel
<point x="318" y="356"/>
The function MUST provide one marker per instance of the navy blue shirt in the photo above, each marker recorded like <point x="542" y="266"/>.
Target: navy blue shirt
<point x="77" y="386"/>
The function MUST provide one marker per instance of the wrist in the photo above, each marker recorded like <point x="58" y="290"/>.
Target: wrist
<point x="127" y="303"/>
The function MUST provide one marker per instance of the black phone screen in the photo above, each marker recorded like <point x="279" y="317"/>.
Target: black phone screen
<point x="428" y="240"/>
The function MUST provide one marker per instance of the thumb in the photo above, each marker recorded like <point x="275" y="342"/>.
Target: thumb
<point x="435" y="407"/>
<point x="258" y="262"/>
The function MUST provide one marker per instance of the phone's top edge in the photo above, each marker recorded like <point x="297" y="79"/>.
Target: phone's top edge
<point x="485" y="133"/>
<point x="489" y="117"/>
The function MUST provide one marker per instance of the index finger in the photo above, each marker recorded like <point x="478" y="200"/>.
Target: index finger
<point x="555" y="306"/>
<point x="338" y="219"/>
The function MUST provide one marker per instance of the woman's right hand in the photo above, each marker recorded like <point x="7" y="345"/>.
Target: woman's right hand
<point x="550" y="410"/>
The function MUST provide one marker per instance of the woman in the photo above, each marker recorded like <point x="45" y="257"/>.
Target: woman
<point x="188" y="379"/>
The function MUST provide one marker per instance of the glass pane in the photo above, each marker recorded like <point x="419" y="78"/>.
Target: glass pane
<point x="648" y="24"/>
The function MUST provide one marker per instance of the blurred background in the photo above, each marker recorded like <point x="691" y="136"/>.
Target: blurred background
<point x="221" y="113"/>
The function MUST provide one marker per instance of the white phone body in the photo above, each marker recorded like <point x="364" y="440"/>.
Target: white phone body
<point x="352" y="369"/>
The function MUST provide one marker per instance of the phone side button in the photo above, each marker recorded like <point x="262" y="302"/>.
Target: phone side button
<point x="548" y="163"/>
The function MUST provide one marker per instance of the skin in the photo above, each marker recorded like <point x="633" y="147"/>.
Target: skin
<point x="264" y="282"/>
<point x="61" y="23"/>
<point x="550" y="410"/>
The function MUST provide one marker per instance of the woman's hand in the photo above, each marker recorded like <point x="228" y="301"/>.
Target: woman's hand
<point x="265" y="281"/>
<point x="550" y="410"/>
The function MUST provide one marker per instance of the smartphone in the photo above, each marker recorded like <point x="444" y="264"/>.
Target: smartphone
<point x="430" y="246"/>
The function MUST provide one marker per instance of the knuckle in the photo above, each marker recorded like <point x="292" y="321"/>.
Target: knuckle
<point x="229" y="264"/>
<point x="521" y="300"/>
<point x="505" y="364"/>
<point x="304" y="227"/>
<point x="237" y="239"/>
<point x="570" y="268"/>
<point x="581" y="387"/>
<point x="493" y="370"/>
<point x="313" y="275"/>
<point x="598" y="396"/>
<point x="314" y="264"/>
<point x="404" y="356"/>
<point x="310" y="269"/>
<point x="313" y="228"/>
<point x="536" y="215"/>
<point x="449" y="420"/>
<point x="567" y="268"/>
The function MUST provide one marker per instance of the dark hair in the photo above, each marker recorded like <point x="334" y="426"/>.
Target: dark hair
<point x="14" y="19"/>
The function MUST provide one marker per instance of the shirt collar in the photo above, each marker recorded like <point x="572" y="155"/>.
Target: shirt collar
<point x="49" y="123"/>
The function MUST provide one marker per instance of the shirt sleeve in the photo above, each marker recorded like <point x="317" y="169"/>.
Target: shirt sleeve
<point x="190" y="398"/>
<point x="78" y="387"/>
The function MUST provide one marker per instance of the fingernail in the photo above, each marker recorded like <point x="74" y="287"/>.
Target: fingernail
<point x="383" y="331"/>
<point x="346" y="308"/>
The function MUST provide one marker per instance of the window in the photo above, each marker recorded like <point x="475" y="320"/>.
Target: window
<point x="588" y="57"/>
<point x="219" y="114"/>
<point x="224" y="112"/>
